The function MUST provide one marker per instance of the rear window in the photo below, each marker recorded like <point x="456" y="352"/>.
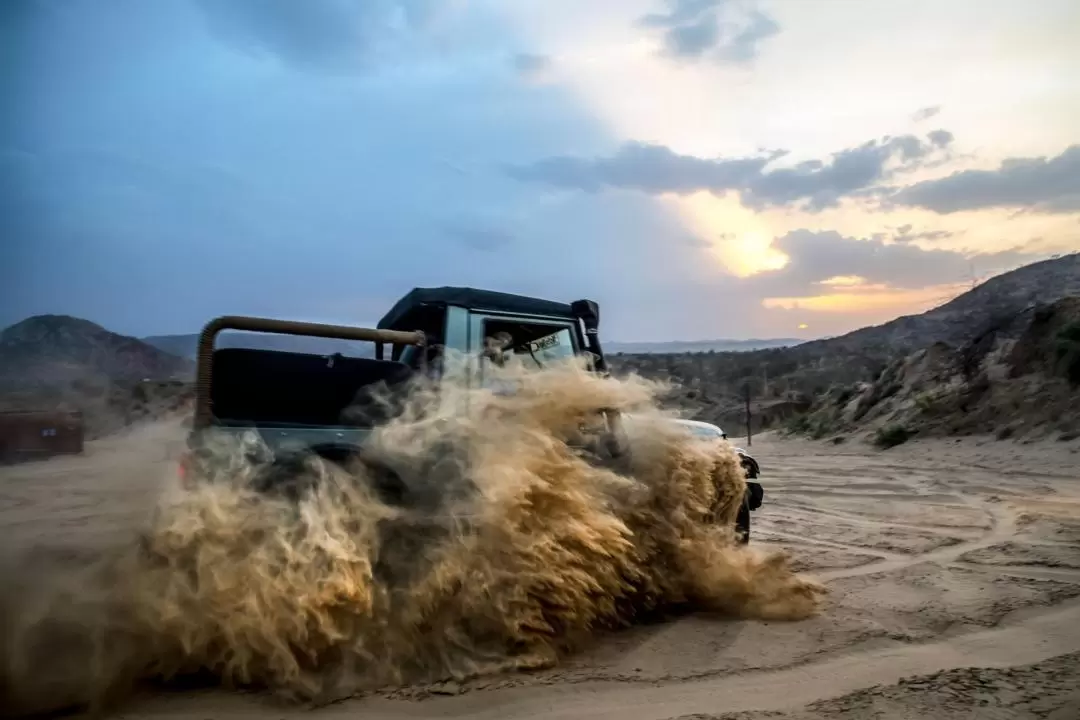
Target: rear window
<point x="271" y="388"/>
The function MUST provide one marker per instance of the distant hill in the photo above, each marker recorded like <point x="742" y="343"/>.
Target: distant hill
<point x="58" y="361"/>
<point x="965" y="316"/>
<point x="52" y="347"/>
<point x="185" y="346"/>
<point x="691" y="346"/>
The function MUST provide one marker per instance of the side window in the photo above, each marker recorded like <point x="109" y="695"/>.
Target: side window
<point x="555" y="346"/>
<point x="534" y="344"/>
<point x="431" y="321"/>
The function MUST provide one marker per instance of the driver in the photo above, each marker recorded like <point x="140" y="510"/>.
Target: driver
<point x="495" y="347"/>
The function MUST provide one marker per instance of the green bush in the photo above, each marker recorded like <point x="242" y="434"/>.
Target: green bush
<point x="925" y="402"/>
<point x="820" y="428"/>
<point x="891" y="436"/>
<point x="844" y="394"/>
<point x="935" y="402"/>
<point x="798" y="424"/>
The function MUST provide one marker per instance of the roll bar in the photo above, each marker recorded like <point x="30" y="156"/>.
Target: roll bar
<point x="204" y="372"/>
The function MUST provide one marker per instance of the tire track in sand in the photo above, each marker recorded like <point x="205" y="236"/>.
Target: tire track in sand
<point x="1029" y="637"/>
<point x="1003" y="527"/>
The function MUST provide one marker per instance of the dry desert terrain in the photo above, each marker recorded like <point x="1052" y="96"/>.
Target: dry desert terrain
<point x="953" y="570"/>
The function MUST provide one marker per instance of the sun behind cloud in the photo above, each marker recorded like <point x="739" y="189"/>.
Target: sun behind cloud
<point x="740" y="238"/>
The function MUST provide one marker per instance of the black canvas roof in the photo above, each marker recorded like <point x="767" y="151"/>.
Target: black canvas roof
<point x="471" y="298"/>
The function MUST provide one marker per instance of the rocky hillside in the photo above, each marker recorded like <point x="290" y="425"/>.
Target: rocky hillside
<point x="57" y="361"/>
<point x="784" y="382"/>
<point x="966" y="316"/>
<point x="1022" y="386"/>
<point x="50" y="347"/>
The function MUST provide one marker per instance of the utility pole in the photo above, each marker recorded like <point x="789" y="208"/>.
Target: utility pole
<point x="746" y="395"/>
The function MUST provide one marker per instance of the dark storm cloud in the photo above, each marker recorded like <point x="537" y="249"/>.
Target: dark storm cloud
<point x="1043" y="184"/>
<point x="813" y="184"/>
<point x="693" y="29"/>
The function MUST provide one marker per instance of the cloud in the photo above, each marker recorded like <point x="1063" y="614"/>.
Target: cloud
<point x="693" y="39"/>
<point x="940" y="138"/>
<point x="477" y="237"/>
<point x="813" y="185"/>
<point x="326" y="35"/>
<point x="653" y="169"/>
<point x="743" y="47"/>
<point x="906" y="236"/>
<point x="693" y="29"/>
<point x="1047" y="185"/>
<point x="926" y="113"/>
<point x="531" y="67"/>
<point x="681" y="12"/>
<point x="816" y="260"/>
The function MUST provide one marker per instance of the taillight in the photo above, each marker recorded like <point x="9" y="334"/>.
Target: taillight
<point x="183" y="472"/>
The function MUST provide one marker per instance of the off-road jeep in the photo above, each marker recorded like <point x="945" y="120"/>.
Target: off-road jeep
<point x="302" y="403"/>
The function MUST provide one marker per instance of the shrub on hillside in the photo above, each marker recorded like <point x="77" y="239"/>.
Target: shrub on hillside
<point x="891" y="436"/>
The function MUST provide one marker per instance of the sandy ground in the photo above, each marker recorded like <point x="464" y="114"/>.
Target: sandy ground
<point x="953" y="569"/>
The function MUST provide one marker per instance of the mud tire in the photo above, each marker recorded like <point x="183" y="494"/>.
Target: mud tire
<point x="742" y="522"/>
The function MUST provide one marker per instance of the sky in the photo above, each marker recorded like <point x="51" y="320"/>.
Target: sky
<point x="701" y="168"/>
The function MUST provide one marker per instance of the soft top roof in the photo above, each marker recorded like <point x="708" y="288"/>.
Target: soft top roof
<point x="471" y="298"/>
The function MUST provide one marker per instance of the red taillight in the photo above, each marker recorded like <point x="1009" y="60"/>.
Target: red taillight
<point x="183" y="472"/>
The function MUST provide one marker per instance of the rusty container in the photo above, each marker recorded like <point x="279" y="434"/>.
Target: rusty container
<point x="29" y="434"/>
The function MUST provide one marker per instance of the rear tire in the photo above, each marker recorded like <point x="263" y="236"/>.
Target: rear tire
<point x="742" y="523"/>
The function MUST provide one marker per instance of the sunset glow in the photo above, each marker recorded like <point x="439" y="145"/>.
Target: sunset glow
<point x="873" y="299"/>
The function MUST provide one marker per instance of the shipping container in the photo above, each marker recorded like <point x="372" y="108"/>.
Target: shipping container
<point x="26" y="435"/>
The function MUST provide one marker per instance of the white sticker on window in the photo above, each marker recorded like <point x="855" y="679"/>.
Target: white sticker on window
<point x="543" y="343"/>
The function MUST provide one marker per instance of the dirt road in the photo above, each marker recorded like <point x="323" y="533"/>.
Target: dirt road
<point x="953" y="570"/>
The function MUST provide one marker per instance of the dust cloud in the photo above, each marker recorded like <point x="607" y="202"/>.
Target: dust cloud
<point x="483" y="532"/>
